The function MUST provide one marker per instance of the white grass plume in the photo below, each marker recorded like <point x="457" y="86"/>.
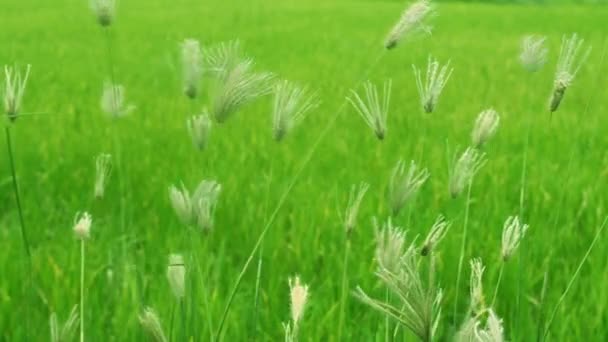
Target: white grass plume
<point x="434" y="81"/>
<point x="192" y="66"/>
<point x="533" y="52"/>
<point x="419" y="303"/>
<point x="355" y="197"/>
<point x="413" y="21"/>
<point x="290" y="106"/>
<point x="435" y="235"/>
<point x="220" y="57"/>
<point x="152" y="326"/>
<point x="465" y="169"/>
<point x="199" y="129"/>
<point x="103" y="169"/>
<point x="105" y="10"/>
<point x="404" y="183"/>
<point x="390" y="243"/>
<point x="176" y="275"/>
<point x="567" y="67"/>
<point x="13" y="90"/>
<point x="113" y="101"/>
<point x="298" y="294"/>
<point x="373" y="111"/>
<point x="485" y="127"/>
<point x="513" y="232"/>
<point x="478" y="302"/>
<point x="66" y="331"/>
<point x="197" y="209"/>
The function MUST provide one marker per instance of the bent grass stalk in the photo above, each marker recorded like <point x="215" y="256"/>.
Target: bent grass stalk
<point x="283" y="198"/>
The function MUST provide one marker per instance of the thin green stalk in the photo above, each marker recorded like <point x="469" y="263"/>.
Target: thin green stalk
<point x="82" y="290"/>
<point x="171" y="321"/>
<point x="182" y="307"/>
<point x="282" y="200"/>
<point x="344" y="289"/>
<point x="462" y="247"/>
<point x="574" y="277"/>
<point x="502" y="267"/>
<point x="387" y="323"/>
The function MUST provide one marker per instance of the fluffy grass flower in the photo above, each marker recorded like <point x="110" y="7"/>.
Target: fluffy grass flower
<point x="533" y="52"/>
<point x="192" y="66"/>
<point x="199" y="208"/>
<point x="465" y="169"/>
<point x="355" y="197"/>
<point x="567" y="67"/>
<point x="390" y="243"/>
<point x="512" y="233"/>
<point x="419" y="303"/>
<point x="404" y="183"/>
<point x="104" y="10"/>
<point x="369" y="107"/>
<point x="181" y="203"/>
<point x="493" y="331"/>
<point x="435" y="80"/>
<point x="13" y="90"/>
<point x="113" y="101"/>
<point x="82" y="226"/>
<point x="220" y="57"/>
<point x="298" y="294"/>
<point x="478" y="302"/>
<point x="435" y="235"/>
<point x="485" y="127"/>
<point x="103" y="169"/>
<point x="291" y="104"/>
<point x="176" y="275"/>
<point x="413" y="21"/>
<point x="152" y="326"/>
<point x="199" y="129"/>
<point x="67" y="331"/>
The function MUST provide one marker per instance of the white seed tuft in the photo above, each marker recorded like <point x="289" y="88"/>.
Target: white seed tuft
<point x="151" y="324"/>
<point x="465" y="169"/>
<point x="435" y="235"/>
<point x="181" y="203"/>
<point x="192" y="66"/>
<point x="478" y="303"/>
<point x="485" y="127"/>
<point x="13" y="90"/>
<point x="357" y="192"/>
<point x="413" y="21"/>
<point x="390" y="242"/>
<point x="103" y="169"/>
<point x="404" y="184"/>
<point x="104" y="10"/>
<point x="176" y="275"/>
<point x="567" y="67"/>
<point x="373" y="112"/>
<point x="512" y="233"/>
<point x="82" y="226"/>
<point x="299" y="297"/>
<point x="435" y="79"/>
<point x="290" y="106"/>
<point x="533" y="52"/>
<point x="199" y="128"/>
<point x="493" y="331"/>
<point x="113" y="101"/>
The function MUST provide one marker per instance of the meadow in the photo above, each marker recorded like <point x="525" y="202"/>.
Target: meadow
<point x="299" y="187"/>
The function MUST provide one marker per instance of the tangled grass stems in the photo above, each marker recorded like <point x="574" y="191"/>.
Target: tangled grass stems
<point x="282" y="200"/>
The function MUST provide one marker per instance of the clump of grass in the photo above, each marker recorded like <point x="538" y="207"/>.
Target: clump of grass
<point x="66" y="331"/>
<point x="373" y="112"/>
<point x="290" y="105"/>
<point x="567" y="67"/>
<point x="434" y="81"/>
<point x="413" y="21"/>
<point x="404" y="184"/>
<point x="534" y="52"/>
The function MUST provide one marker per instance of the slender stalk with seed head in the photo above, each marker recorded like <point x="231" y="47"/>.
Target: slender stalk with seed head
<point x="413" y="21"/>
<point x="435" y="235"/>
<point x="82" y="231"/>
<point x="290" y="105"/>
<point x="533" y="52"/>
<point x="435" y="80"/>
<point x="512" y="233"/>
<point x="567" y="67"/>
<point x="103" y="168"/>
<point x="152" y="326"/>
<point x="192" y="67"/>
<point x="299" y="297"/>
<point x="485" y="127"/>
<point x="199" y="128"/>
<point x="404" y="184"/>
<point x="13" y="90"/>
<point x="373" y="112"/>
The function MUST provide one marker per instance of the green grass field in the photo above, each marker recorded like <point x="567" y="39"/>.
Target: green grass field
<point x="331" y="46"/>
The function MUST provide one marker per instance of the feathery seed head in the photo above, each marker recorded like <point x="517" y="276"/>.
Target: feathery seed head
<point x="181" y="203"/>
<point x="485" y="127"/>
<point x="151" y="324"/>
<point x="436" y="234"/>
<point x="390" y="243"/>
<point x="66" y="331"/>
<point x="192" y="66"/>
<point x="533" y="52"/>
<point x="113" y="101"/>
<point x="176" y="274"/>
<point x="199" y="128"/>
<point x="465" y="169"/>
<point x="290" y="106"/>
<point x="352" y="209"/>
<point x="299" y="297"/>
<point x="373" y="112"/>
<point x="567" y="67"/>
<point x="221" y="57"/>
<point x="104" y="10"/>
<point x="82" y="226"/>
<point x="13" y="90"/>
<point x="204" y="201"/>
<point x="493" y="331"/>
<point x="413" y="21"/>
<point x="404" y="184"/>
<point x="512" y="233"/>
<point x="103" y="168"/>
<point x="477" y="298"/>
<point x="435" y="79"/>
